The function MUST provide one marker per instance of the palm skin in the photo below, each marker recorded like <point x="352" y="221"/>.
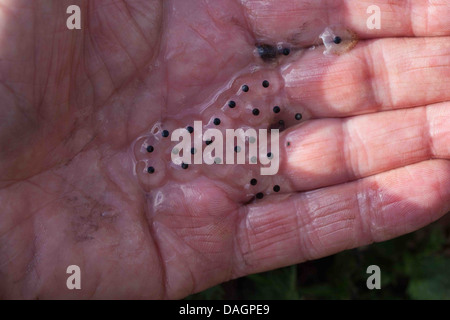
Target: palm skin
<point x="74" y="101"/>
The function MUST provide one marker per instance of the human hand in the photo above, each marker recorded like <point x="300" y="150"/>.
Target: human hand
<point x="369" y="161"/>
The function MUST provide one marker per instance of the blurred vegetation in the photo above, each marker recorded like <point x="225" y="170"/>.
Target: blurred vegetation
<point x="414" y="266"/>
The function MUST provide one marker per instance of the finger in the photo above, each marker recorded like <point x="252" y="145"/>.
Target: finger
<point x="318" y="223"/>
<point x="378" y="75"/>
<point x="302" y="21"/>
<point x="331" y="151"/>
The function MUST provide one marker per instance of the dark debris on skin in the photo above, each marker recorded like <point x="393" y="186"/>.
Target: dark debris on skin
<point x="269" y="53"/>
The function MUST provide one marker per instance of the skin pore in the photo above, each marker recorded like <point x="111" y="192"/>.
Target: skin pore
<point x="364" y="142"/>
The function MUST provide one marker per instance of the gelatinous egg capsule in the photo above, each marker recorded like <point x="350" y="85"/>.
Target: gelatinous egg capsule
<point x="338" y="40"/>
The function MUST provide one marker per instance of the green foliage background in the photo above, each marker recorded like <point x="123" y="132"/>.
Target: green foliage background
<point x="414" y="266"/>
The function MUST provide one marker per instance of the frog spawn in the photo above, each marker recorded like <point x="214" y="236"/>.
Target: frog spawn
<point x="338" y="40"/>
<point x="255" y="99"/>
<point x="234" y="108"/>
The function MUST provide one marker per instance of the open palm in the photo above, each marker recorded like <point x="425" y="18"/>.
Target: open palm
<point x="368" y="162"/>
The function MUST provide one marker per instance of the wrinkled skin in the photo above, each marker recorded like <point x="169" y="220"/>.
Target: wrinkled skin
<point x="372" y="162"/>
